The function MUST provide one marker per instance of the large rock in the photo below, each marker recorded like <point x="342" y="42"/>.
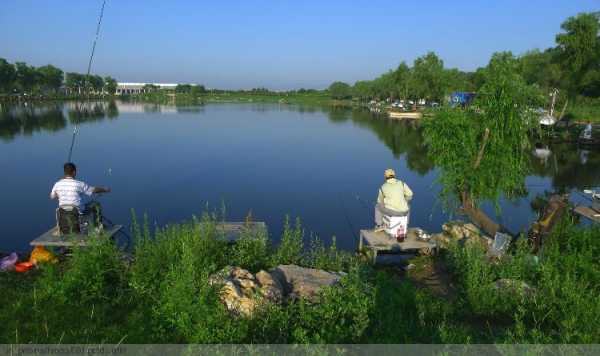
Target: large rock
<point x="301" y="282"/>
<point x="243" y="293"/>
<point x="463" y="233"/>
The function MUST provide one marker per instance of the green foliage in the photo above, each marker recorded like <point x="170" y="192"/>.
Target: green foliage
<point x="51" y="77"/>
<point x="251" y="250"/>
<point x="85" y="302"/>
<point x="559" y="305"/>
<point x="427" y="79"/>
<point x="486" y="165"/>
<point x="163" y="295"/>
<point x="7" y="75"/>
<point x="291" y="246"/>
<point x="110" y="85"/>
<point x="340" y="90"/>
<point x="48" y="79"/>
<point x="341" y="316"/>
<point x="26" y="77"/>
<point x="579" y="52"/>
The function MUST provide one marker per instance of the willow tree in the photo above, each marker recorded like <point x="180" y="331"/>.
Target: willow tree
<point x="482" y="150"/>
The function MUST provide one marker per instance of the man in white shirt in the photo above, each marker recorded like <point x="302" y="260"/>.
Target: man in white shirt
<point x="68" y="191"/>
<point x="393" y="197"/>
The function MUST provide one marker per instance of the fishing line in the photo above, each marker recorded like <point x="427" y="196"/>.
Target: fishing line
<point x="86" y="79"/>
<point x="346" y="216"/>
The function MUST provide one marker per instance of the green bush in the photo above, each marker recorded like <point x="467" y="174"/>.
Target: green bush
<point x="163" y="295"/>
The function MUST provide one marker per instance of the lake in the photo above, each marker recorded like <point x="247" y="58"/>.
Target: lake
<point x="171" y="162"/>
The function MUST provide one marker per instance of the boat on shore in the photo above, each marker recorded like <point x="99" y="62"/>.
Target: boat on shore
<point x="410" y="115"/>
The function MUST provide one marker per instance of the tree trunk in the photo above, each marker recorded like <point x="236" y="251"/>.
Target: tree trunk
<point x="478" y="216"/>
<point x="475" y="214"/>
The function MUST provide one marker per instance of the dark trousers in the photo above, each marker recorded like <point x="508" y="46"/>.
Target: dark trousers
<point x="68" y="221"/>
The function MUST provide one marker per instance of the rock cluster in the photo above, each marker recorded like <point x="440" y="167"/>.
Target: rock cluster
<point x="243" y="292"/>
<point x="463" y="233"/>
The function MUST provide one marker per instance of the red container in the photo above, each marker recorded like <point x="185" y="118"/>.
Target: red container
<point x="23" y="267"/>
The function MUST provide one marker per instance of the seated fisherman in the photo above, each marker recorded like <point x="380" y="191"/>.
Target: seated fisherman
<point x="393" y="198"/>
<point x="68" y="190"/>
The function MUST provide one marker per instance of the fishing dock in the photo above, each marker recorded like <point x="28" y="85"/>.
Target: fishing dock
<point x="377" y="242"/>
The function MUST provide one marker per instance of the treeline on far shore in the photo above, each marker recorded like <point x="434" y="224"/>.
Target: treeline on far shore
<point x="572" y="67"/>
<point x="22" y="80"/>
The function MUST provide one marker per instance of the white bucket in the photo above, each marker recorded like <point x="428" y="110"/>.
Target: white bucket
<point x="395" y="225"/>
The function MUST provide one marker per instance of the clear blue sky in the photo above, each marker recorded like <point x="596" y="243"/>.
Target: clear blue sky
<point x="275" y="44"/>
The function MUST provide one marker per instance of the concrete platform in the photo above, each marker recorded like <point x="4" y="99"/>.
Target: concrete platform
<point x="54" y="239"/>
<point x="233" y="230"/>
<point x="380" y="242"/>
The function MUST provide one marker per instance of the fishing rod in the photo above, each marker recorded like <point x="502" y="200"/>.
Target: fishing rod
<point x="86" y="79"/>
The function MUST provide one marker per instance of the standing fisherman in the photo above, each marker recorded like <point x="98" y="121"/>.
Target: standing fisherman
<point x="68" y="191"/>
<point x="393" y="198"/>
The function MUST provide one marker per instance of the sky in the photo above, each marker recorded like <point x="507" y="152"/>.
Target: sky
<point x="274" y="44"/>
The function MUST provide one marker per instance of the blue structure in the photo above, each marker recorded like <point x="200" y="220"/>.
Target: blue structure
<point x="461" y="98"/>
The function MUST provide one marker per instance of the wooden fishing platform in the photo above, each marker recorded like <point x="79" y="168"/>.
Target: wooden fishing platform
<point x="379" y="241"/>
<point x="588" y="212"/>
<point x="54" y="239"/>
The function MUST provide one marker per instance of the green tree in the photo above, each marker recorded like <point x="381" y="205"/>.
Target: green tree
<point x="428" y="77"/>
<point x="94" y="83"/>
<point x="402" y="78"/>
<point x="363" y="90"/>
<point x="197" y="89"/>
<point x="385" y="86"/>
<point x="183" y="88"/>
<point x="7" y="76"/>
<point x="51" y="77"/>
<point x="579" y="51"/>
<point x="483" y="153"/>
<point x="74" y="82"/>
<point x="110" y="85"/>
<point x="26" y="77"/>
<point x="457" y="80"/>
<point x="150" y="88"/>
<point x="340" y="90"/>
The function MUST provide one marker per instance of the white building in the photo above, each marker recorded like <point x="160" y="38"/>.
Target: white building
<point x="137" y="88"/>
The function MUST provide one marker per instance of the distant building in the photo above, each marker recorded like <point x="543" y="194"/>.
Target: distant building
<point x="138" y="88"/>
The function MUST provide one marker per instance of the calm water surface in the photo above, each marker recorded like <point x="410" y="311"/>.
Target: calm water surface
<point x="321" y="165"/>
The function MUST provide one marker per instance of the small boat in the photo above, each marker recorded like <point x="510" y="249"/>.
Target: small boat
<point x="412" y="115"/>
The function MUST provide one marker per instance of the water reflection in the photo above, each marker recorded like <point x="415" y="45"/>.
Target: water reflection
<point x="82" y="112"/>
<point x="27" y="119"/>
<point x="567" y="166"/>
<point x="401" y="137"/>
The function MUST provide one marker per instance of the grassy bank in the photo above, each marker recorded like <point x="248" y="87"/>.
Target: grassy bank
<point x="315" y="99"/>
<point x="163" y="296"/>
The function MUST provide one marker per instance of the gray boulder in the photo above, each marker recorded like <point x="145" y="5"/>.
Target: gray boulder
<point x="301" y="282"/>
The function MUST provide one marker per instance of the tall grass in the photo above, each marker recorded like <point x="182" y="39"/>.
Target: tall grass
<point x="162" y="294"/>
